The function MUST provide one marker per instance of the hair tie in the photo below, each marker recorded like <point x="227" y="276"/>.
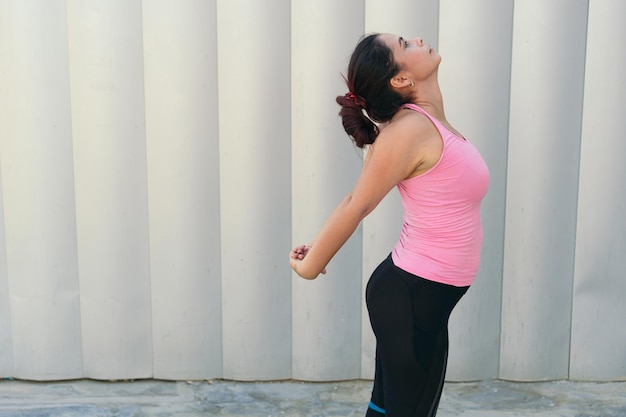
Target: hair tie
<point x="352" y="97"/>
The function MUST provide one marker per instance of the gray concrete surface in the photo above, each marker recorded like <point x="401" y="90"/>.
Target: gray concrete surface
<point x="87" y="398"/>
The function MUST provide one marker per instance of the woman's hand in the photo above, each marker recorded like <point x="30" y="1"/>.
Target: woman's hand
<point x="296" y="256"/>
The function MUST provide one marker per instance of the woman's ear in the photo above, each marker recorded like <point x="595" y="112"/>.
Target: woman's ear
<point x="400" y="81"/>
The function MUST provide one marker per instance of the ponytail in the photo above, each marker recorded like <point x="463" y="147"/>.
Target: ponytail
<point x="356" y="124"/>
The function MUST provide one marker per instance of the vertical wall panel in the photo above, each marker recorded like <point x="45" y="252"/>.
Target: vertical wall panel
<point x="475" y="45"/>
<point x="180" y="47"/>
<point x="7" y="52"/>
<point x="406" y="18"/>
<point x="381" y="229"/>
<point x="6" y="340"/>
<point x="37" y="175"/>
<point x="598" y="332"/>
<point x="111" y="190"/>
<point x="542" y="185"/>
<point x="254" y="79"/>
<point x="325" y="165"/>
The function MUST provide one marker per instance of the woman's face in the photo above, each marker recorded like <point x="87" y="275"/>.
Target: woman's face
<point x="413" y="56"/>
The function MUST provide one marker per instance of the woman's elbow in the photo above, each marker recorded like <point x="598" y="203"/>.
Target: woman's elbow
<point x="359" y="207"/>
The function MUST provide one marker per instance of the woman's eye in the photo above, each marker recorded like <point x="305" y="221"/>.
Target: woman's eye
<point x="406" y="44"/>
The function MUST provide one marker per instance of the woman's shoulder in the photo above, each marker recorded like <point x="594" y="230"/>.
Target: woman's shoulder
<point x="412" y="134"/>
<point x="410" y="125"/>
<point x="410" y="138"/>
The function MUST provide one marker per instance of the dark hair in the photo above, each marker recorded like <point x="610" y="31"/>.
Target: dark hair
<point x="370" y="69"/>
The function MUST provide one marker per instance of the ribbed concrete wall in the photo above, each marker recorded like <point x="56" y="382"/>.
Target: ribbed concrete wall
<point x="159" y="159"/>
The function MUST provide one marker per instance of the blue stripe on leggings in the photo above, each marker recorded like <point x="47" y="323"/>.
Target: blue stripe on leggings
<point x="376" y="408"/>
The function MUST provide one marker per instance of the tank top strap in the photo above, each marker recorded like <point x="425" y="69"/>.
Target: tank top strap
<point x="443" y="131"/>
<point x="417" y="108"/>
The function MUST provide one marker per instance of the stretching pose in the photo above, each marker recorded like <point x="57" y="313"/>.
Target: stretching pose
<point x="394" y="108"/>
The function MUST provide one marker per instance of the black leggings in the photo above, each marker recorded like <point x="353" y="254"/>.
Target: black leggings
<point x="409" y="316"/>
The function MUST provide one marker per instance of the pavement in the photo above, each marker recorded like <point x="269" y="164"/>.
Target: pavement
<point x="143" y="398"/>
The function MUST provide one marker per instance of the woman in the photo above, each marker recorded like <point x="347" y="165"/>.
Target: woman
<point x="442" y="179"/>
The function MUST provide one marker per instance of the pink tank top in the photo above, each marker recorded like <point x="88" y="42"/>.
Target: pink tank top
<point x="442" y="234"/>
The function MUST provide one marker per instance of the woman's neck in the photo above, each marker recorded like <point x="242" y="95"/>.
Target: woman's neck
<point x="432" y="102"/>
<point x="427" y="95"/>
